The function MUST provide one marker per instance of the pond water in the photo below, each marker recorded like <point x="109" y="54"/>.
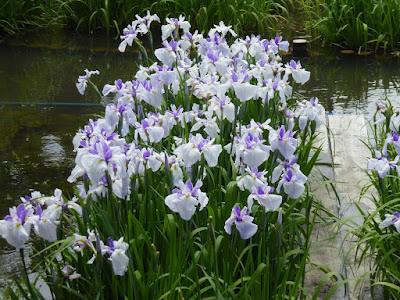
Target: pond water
<point x="41" y="110"/>
<point x="352" y="84"/>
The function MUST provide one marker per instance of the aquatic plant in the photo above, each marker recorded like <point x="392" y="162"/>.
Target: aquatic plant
<point x="18" y="15"/>
<point x="356" y="24"/>
<point x="91" y="15"/>
<point x="163" y="180"/>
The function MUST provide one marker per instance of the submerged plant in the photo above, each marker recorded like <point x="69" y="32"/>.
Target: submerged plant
<point x="163" y="176"/>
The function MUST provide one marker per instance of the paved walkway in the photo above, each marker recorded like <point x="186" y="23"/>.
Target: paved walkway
<point x="344" y="156"/>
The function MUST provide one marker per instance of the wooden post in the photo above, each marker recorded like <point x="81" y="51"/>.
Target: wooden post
<point x="300" y="48"/>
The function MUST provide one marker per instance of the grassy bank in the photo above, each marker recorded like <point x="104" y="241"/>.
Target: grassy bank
<point x="359" y="25"/>
<point x="88" y="16"/>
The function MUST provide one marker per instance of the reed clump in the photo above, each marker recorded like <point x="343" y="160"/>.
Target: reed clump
<point x="355" y="24"/>
<point x="91" y="15"/>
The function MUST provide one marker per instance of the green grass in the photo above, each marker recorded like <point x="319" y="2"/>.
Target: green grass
<point x="369" y="25"/>
<point x="91" y="15"/>
<point x="362" y="25"/>
<point x="19" y="15"/>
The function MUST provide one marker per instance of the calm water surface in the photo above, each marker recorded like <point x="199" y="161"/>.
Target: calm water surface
<point x="352" y="84"/>
<point x="36" y="140"/>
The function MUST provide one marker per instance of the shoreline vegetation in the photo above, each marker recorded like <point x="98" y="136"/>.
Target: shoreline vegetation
<point x="364" y="27"/>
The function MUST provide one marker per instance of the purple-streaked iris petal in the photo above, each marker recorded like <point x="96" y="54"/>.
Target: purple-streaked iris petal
<point x="111" y="137"/>
<point x="177" y="191"/>
<point x="260" y="191"/>
<point x="107" y="152"/>
<point x="173" y="45"/>
<point x="189" y="36"/>
<point x="118" y="84"/>
<point x="275" y="85"/>
<point x="104" y="180"/>
<point x="111" y="243"/>
<point x="234" y="77"/>
<point x="122" y="108"/>
<point x="93" y="151"/>
<point x="395" y="220"/>
<point x="39" y="212"/>
<point x="281" y="133"/>
<point x="189" y="185"/>
<point x="8" y="218"/>
<point x="254" y="172"/>
<point x="395" y="136"/>
<point x="146" y="154"/>
<point x="293" y="161"/>
<point x="288" y="176"/>
<point x="211" y="56"/>
<point x="201" y="145"/>
<point x="266" y="44"/>
<point x="22" y="212"/>
<point x="145" y="124"/>
<point x="237" y="213"/>
<point x="196" y="188"/>
<point x="64" y="205"/>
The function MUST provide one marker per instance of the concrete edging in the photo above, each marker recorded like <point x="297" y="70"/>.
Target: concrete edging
<point x="344" y="156"/>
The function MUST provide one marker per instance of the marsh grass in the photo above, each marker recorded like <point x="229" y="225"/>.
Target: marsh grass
<point x="91" y="15"/>
<point x="356" y="24"/>
<point x="244" y="16"/>
<point x="19" y="15"/>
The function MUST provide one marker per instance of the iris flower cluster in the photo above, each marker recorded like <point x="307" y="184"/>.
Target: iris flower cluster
<point x="142" y="131"/>
<point x="41" y="212"/>
<point x="385" y="162"/>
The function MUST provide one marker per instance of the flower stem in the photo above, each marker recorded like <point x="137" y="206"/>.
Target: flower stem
<point x="21" y="252"/>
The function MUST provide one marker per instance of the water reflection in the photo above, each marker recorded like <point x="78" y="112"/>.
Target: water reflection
<point x="36" y="141"/>
<point x="351" y="85"/>
<point x="52" y="152"/>
<point x="46" y="75"/>
<point x="36" y="150"/>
